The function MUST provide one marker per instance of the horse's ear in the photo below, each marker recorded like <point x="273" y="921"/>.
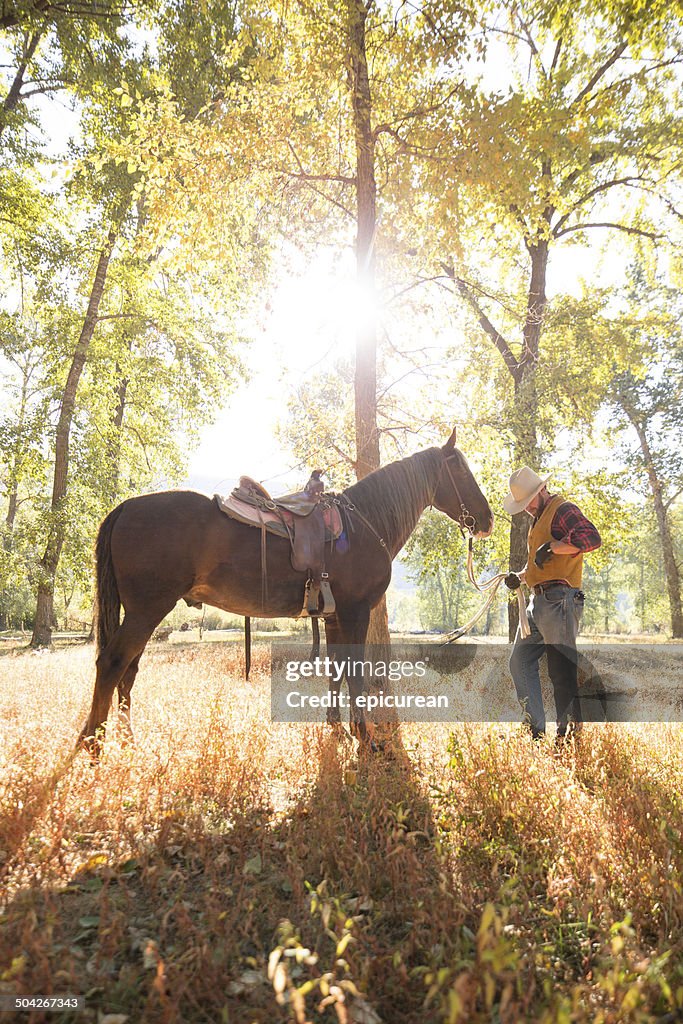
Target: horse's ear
<point x="450" y="443"/>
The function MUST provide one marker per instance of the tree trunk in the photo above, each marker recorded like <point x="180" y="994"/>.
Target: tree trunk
<point x="442" y="596"/>
<point x="365" y="382"/>
<point x="115" y="446"/>
<point x="526" y="453"/>
<point x="525" y="412"/>
<point x="673" y="579"/>
<point x="13" y="96"/>
<point x="42" y="630"/>
<point x="365" y="379"/>
<point x="13" y="494"/>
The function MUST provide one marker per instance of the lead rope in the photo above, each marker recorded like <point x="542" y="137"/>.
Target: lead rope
<point x="492" y="586"/>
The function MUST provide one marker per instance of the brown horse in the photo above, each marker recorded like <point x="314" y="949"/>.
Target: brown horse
<point x="155" y="549"/>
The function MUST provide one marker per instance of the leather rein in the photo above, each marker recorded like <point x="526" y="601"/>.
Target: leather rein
<point x="465" y="521"/>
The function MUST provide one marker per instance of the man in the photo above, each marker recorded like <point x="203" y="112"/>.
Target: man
<point x="559" y="536"/>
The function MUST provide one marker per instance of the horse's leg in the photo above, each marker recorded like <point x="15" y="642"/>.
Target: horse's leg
<point x="333" y="638"/>
<point x="124" y="687"/>
<point x="126" y="645"/>
<point x="353" y="624"/>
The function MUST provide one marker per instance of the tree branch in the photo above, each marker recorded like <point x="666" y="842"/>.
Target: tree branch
<point x="495" y="336"/>
<point x="128" y="316"/>
<point x="14" y="95"/>
<point x="345" y="457"/>
<point x="386" y="129"/>
<point x="11" y="17"/>
<point x="601" y="71"/>
<point x="593" y="192"/>
<point x="672" y="499"/>
<point x="507" y="32"/>
<point x="323" y="195"/>
<point x="140" y="438"/>
<point x="662" y="199"/>
<point x="617" y="227"/>
<point x="514" y="209"/>
<point x="305" y="176"/>
<point x="556" y="56"/>
<point x="417" y="283"/>
<point x="597" y="157"/>
<point x="49" y="87"/>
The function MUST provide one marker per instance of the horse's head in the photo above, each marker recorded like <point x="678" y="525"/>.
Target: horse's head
<point x="458" y="494"/>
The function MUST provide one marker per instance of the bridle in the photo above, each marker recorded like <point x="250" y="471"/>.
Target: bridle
<point x="465" y="521"/>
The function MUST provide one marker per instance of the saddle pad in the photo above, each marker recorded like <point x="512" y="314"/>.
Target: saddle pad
<point x="281" y="523"/>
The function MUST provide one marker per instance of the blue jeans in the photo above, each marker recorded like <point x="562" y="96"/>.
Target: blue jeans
<point x="554" y="618"/>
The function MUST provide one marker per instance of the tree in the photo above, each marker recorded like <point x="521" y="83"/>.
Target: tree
<point x="654" y="410"/>
<point x="582" y="139"/>
<point x="165" y="362"/>
<point x="54" y="47"/>
<point x="310" y="121"/>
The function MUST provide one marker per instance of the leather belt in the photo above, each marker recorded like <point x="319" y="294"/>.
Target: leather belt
<point x="540" y="587"/>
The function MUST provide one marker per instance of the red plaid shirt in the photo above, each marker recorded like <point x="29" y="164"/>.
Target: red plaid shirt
<point x="570" y="525"/>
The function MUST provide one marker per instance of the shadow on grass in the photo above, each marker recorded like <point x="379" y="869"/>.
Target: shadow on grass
<point x="366" y="895"/>
<point x="344" y="893"/>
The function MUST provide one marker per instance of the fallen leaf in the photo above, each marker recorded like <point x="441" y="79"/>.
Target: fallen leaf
<point x="254" y="865"/>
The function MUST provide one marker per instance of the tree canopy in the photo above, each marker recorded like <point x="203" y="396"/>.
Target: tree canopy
<point x="471" y="157"/>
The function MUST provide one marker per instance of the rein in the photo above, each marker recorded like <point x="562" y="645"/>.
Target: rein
<point x="352" y="510"/>
<point x="492" y="586"/>
<point x="467" y="522"/>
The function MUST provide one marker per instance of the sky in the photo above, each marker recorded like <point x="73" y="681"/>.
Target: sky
<point x="309" y="322"/>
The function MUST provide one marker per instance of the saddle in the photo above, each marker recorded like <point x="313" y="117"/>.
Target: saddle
<point x="308" y="519"/>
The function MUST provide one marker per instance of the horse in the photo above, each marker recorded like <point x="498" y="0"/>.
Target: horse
<point x="156" y="549"/>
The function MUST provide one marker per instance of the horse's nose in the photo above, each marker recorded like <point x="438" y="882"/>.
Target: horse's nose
<point x="486" y="533"/>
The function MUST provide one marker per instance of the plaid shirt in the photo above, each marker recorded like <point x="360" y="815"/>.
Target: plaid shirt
<point x="570" y="525"/>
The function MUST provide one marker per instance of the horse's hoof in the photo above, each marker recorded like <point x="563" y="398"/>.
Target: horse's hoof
<point x="90" y="745"/>
<point x="339" y="731"/>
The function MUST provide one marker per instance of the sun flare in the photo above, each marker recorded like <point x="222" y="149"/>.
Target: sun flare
<point x="318" y="314"/>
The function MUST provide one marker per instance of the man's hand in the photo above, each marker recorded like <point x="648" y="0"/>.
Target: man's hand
<point x="543" y="555"/>
<point x="512" y="581"/>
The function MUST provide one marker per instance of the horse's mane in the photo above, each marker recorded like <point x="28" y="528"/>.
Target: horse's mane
<point x="393" y="497"/>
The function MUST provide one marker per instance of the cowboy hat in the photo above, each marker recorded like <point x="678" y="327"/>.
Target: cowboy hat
<point x="524" y="485"/>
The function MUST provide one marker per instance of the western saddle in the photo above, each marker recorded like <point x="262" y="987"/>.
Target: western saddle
<point x="308" y="519"/>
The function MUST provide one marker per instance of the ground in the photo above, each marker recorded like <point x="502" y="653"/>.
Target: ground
<point x="230" y="869"/>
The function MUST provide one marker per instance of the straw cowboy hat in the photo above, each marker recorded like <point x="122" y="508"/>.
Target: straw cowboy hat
<point x="524" y="485"/>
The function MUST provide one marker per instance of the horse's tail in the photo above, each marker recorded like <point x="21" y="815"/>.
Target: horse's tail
<point x="108" y="605"/>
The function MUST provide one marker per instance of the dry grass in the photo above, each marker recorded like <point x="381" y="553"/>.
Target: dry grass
<point x="228" y="869"/>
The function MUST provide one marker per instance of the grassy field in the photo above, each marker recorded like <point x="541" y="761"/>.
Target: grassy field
<point x="227" y="869"/>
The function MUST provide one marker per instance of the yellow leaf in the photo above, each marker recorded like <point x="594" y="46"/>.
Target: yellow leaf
<point x="15" y="968"/>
